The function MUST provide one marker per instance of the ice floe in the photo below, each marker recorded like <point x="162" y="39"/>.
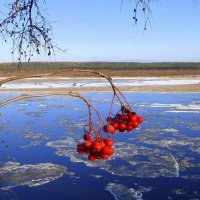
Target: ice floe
<point x="96" y="176"/>
<point x="36" y="135"/>
<point x="177" y="107"/>
<point x="193" y="126"/>
<point x="181" y="145"/>
<point x="121" y="192"/>
<point x="37" y="138"/>
<point x="170" y="130"/>
<point x="182" y="111"/>
<point x="129" y="159"/>
<point x="164" y="105"/>
<point x="190" y="108"/>
<point x="14" y="174"/>
<point x="174" y="141"/>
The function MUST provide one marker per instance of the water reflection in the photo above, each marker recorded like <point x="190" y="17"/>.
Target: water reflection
<point x="42" y="135"/>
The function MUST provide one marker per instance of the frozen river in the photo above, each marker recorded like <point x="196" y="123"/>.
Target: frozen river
<point x="159" y="160"/>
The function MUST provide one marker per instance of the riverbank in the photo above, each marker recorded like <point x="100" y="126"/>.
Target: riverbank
<point x="186" y="83"/>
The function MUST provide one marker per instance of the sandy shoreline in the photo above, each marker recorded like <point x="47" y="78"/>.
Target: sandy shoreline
<point x="138" y="84"/>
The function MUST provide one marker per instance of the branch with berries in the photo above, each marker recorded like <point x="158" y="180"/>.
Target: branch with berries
<point x="95" y="144"/>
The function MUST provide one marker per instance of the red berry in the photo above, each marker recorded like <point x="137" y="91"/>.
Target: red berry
<point x="104" y="151"/>
<point x="87" y="136"/>
<point x="97" y="155"/>
<point x="124" y="118"/>
<point x="80" y="146"/>
<point x="111" y="129"/>
<point x="104" y="156"/>
<point x="133" y="118"/>
<point x="140" y="119"/>
<point x="102" y="144"/>
<point x="129" y="123"/>
<point x="96" y="146"/>
<point x="129" y="128"/>
<point x="128" y="115"/>
<point x="108" y="142"/>
<point x="88" y="143"/>
<point x="135" y="124"/>
<point x="122" y="127"/>
<point x="116" y="120"/>
<point x="91" y="157"/>
<point x="107" y="151"/>
<point x="87" y="149"/>
<point x="80" y="151"/>
<point x="115" y="125"/>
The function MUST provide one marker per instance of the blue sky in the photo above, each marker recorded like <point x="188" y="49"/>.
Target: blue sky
<point x="102" y="30"/>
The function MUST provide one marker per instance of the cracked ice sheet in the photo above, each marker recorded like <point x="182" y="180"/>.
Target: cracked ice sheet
<point x="13" y="174"/>
<point x="128" y="160"/>
<point x="181" y="146"/>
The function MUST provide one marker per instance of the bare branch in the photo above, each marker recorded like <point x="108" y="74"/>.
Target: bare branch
<point x="144" y="6"/>
<point x="28" y="29"/>
<point x="123" y="102"/>
<point x="116" y="91"/>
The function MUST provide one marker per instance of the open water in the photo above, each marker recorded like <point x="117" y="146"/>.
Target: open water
<point x="159" y="160"/>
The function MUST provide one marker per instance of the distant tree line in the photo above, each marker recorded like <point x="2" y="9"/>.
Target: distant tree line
<point x="102" y="66"/>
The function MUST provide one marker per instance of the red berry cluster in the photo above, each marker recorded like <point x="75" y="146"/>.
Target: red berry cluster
<point x="97" y="149"/>
<point x="122" y="122"/>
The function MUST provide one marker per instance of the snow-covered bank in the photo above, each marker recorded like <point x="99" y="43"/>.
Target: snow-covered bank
<point x="58" y="82"/>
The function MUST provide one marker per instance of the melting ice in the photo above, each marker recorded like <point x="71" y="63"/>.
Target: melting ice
<point x="14" y="174"/>
<point x="121" y="192"/>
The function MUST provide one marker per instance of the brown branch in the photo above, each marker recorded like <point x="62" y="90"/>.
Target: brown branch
<point x="114" y="88"/>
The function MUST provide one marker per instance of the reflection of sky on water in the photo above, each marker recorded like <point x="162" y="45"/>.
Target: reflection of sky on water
<point x="160" y="159"/>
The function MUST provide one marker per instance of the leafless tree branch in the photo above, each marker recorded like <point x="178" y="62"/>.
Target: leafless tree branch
<point x="28" y="28"/>
<point x="143" y="6"/>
